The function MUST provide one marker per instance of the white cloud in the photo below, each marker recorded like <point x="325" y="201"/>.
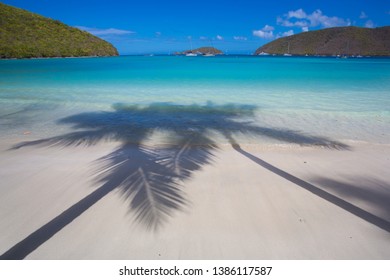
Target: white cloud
<point x="285" y="34"/>
<point x="317" y="18"/>
<point x="240" y="38"/>
<point x="268" y="28"/>
<point x="219" y="37"/>
<point x="300" y="18"/>
<point x="283" y="22"/>
<point x="296" y="14"/>
<point x="263" y="34"/>
<point x="287" y="23"/>
<point x="301" y="23"/>
<point x="266" y="32"/>
<point x="369" y="24"/>
<point x="288" y="33"/>
<point x="107" y="31"/>
<point x="363" y="15"/>
<point x="305" y="29"/>
<point x="203" y="38"/>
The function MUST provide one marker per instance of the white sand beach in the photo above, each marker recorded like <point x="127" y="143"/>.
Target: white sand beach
<point x="252" y="202"/>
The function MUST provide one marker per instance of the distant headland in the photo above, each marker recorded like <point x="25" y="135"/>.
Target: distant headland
<point x="27" y="35"/>
<point x="347" y="41"/>
<point x="201" y="51"/>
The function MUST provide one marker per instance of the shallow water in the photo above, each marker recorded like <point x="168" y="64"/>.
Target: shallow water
<point x="339" y="100"/>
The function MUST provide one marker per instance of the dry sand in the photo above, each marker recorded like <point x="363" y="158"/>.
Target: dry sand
<point x="249" y="203"/>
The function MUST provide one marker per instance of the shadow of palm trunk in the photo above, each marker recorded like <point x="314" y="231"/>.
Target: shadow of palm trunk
<point x="359" y="212"/>
<point x="150" y="178"/>
<point x="40" y="236"/>
<point x="147" y="177"/>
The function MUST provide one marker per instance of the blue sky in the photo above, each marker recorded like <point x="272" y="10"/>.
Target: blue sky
<point x="149" y="26"/>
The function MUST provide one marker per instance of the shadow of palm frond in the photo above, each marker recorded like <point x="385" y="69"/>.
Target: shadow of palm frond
<point x="149" y="177"/>
<point x="152" y="188"/>
<point x="23" y="117"/>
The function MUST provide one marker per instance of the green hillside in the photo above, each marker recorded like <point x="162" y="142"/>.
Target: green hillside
<point x="334" y="41"/>
<point x="24" y="34"/>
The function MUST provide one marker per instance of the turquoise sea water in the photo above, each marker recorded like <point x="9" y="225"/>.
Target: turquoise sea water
<point x="340" y="99"/>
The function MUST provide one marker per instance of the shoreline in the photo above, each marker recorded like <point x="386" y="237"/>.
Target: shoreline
<point x="219" y="55"/>
<point x="56" y="57"/>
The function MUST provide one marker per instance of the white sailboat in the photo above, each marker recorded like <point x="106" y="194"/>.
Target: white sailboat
<point x="288" y="50"/>
<point x="191" y="52"/>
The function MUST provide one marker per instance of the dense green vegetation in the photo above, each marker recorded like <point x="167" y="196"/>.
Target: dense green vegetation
<point x="334" y="41"/>
<point x="24" y="34"/>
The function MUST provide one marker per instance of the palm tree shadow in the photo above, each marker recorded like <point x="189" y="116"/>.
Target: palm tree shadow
<point x="150" y="177"/>
<point x="148" y="180"/>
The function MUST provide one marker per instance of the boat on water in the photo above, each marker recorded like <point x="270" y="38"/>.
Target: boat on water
<point x="191" y="53"/>
<point x="288" y="50"/>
